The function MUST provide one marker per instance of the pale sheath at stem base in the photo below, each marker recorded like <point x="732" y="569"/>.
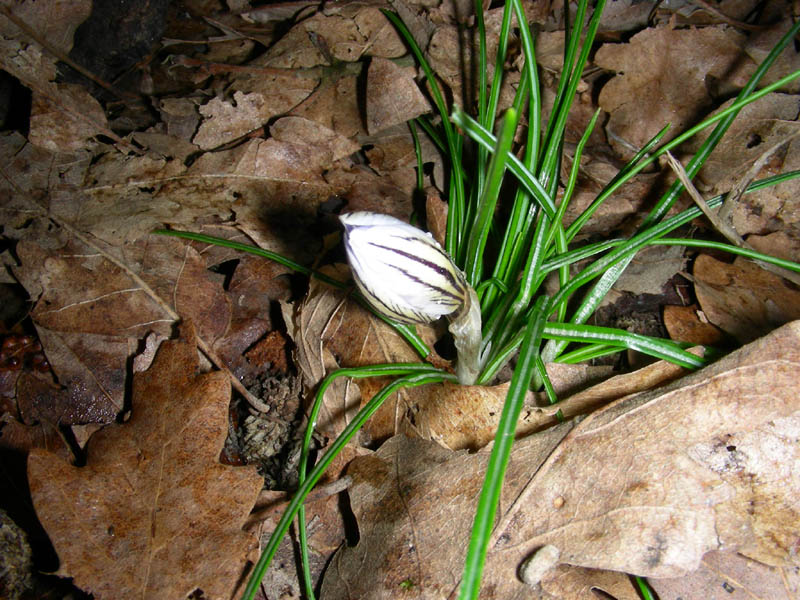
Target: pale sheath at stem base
<point x="405" y="275"/>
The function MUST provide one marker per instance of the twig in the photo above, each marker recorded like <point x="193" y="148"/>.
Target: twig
<point x="216" y="68"/>
<point x="726" y="230"/>
<point x="724" y="227"/>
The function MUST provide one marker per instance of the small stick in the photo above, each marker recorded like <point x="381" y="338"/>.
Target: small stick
<point x="723" y="226"/>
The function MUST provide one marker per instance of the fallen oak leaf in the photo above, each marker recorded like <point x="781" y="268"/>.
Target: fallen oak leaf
<point x="153" y="514"/>
<point x="647" y="485"/>
<point x="731" y="576"/>
<point x="655" y="480"/>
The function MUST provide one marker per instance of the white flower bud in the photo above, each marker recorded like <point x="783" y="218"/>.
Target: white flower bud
<point x="401" y="271"/>
<point x="404" y="274"/>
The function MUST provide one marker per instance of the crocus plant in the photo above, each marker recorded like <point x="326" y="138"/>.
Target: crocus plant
<point x="405" y="275"/>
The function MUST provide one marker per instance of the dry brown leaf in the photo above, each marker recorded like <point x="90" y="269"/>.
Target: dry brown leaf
<point x="125" y="199"/>
<point x="650" y="270"/>
<point x="392" y="155"/>
<point x="685" y="324"/>
<point x="331" y="331"/>
<point x="336" y="106"/>
<point x="647" y="485"/>
<point x="226" y="121"/>
<point x="375" y="36"/>
<point x="23" y="438"/>
<point x="272" y="12"/>
<point x="80" y="114"/>
<point x="451" y="42"/>
<point x="162" y="145"/>
<point x="56" y="131"/>
<point x="393" y="96"/>
<point x="255" y="283"/>
<point x="369" y="191"/>
<point x="777" y="244"/>
<point x="414" y="504"/>
<point x="296" y="130"/>
<point x="295" y="50"/>
<point x="742" y="299"/>
<point x="153" y="514"/>
<point x="463" y="417"/>
<point x="180" y="116"/>
<point x="91" y="312"/>
<point x="626" y="15"/>
<point x="54" y="20"/>
<point x="625" y="203"/>
<point x="731" y="576"/>
<point x="760" y="43"/>
<point x="326" y="527"/>
<point x="91" y="374"/>
<point x="466" y="417"/>
<point x="758" y="128"/>
<point x="305" y="324"/>
<point x="276" y="93"/>
<point x="550" y="50"/>
<point x="675" y="68"/>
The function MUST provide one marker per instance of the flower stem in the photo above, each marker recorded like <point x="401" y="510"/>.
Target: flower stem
<point x="466" y="330"/>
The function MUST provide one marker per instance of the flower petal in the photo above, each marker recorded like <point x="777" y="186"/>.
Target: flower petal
<point x="400" y="270"/>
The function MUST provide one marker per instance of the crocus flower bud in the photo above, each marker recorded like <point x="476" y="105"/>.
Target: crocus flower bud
<point x="405" y="275"/>
<point x="401" y="271"/>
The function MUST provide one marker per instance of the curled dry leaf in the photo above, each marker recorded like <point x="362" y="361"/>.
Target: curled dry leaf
<point x="330" y="331"/>
<point x="647" y="485"/>
<point x="153" y="514"/>
<point x="466" y="417"/>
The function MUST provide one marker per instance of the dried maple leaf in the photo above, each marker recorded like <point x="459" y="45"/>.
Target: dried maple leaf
<point x="153" y="514"/>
